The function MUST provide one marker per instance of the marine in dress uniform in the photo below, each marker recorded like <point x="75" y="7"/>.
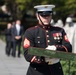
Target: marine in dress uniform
<point x="45" y="36"/>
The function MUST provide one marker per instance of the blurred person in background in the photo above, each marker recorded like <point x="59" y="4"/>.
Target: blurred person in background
<point x="59" y="23"/>
<point x="8" y="39"/>
<point x="17" y="33"/>
<point x="52" y="22"/>
<point x="74" y="41"/>
<point x="70" y="29"/>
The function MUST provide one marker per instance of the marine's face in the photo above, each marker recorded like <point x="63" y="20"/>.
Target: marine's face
<point x="45" y="19"/>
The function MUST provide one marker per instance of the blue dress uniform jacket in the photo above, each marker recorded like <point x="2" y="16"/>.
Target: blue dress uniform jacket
<point x="40" y="36"/>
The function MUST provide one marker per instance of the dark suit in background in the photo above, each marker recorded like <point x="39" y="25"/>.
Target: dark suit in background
<point x="17" y="38"/>
<point x="8" y="39"/>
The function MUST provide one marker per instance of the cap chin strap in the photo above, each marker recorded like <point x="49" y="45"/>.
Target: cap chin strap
<point x="42" y="22"/>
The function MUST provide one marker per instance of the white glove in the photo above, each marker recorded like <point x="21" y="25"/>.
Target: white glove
<point x="52" y="47"/>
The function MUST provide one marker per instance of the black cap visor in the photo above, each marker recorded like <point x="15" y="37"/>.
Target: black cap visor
<point x="45" y="13"/>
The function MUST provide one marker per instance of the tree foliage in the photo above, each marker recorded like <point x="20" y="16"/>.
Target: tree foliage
<point x="63" y="8"/>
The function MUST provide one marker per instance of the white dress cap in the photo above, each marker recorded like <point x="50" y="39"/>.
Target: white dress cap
<point x="44" y="7"/>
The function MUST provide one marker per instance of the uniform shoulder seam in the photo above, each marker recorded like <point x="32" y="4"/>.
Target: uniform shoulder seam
<point x="31" y="28"/>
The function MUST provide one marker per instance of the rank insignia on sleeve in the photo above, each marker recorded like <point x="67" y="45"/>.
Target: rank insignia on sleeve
<point x="26" y="43"/>
<point x="66" y="38"/>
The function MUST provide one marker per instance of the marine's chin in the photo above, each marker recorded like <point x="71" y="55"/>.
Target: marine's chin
<point x="46" y="24"/>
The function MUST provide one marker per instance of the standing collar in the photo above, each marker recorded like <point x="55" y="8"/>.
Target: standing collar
<point x="45" y="27"/>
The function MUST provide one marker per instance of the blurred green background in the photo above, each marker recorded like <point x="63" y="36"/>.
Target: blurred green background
<point x="10" y="10"/>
